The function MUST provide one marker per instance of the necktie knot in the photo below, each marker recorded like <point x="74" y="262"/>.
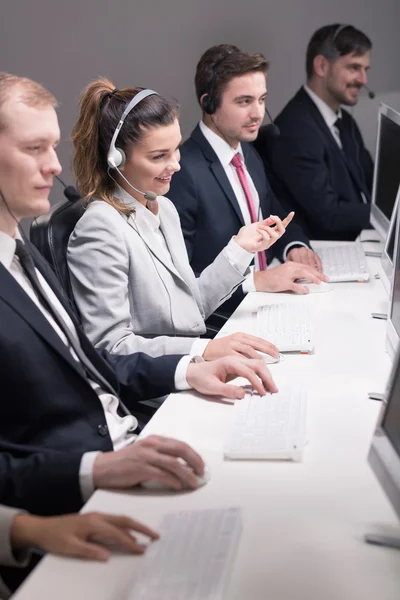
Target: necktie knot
<point x="339" y="124"/>
<point x="236" y="161"/>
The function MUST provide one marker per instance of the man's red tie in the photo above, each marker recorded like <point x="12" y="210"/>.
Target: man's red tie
<point x="237" y="163"/>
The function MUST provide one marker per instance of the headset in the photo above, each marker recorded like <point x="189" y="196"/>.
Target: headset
<point x="332" y="52"/>
<point x="208" y="102"/>
<point x="116" y="156"/>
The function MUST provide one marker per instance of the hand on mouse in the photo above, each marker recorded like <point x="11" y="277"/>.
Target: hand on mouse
<point x="153" y="458"/>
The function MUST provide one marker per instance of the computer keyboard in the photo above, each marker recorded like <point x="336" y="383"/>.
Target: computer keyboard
<point x="269" y="427"/>
<point x="287" y="325"/>
<point x="344" y="263"/>
<point x="192" y="558"/>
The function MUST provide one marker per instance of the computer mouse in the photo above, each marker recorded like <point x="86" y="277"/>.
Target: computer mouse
<point x="315" y="288"/>
<point x="158" y="485"/>
<point x="270" y="360"/>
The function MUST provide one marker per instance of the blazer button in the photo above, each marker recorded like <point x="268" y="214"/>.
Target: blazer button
<point x="102" y="430"/>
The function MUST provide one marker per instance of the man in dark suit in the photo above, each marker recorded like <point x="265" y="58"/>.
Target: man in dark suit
<point x="319" y="165"/>
<point x="66" y="422"/>
<point x="222" y="184"/>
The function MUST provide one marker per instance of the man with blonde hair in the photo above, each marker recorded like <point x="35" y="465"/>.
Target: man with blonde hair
<point x="67" y="423"/>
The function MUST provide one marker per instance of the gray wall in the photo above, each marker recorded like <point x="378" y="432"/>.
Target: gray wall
<point x="157" y="43"/>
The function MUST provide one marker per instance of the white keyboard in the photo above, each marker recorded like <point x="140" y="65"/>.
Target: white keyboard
<point x="287" y="325"/>
<point x="192" y="558"/>
<point x="269" y="427"/>
<point x="344" y="263"/>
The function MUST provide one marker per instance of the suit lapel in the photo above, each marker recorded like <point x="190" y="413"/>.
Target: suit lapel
<point x="13" y="295"/>
<point x="217" y="170"/>
<point x="318" y="118"/>
<point x="154" y="246"/>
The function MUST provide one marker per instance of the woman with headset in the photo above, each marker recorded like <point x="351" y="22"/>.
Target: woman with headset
<point x="129" y="268"/>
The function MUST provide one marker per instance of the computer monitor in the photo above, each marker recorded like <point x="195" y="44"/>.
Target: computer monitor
<point x="386" y="171"/>
<point x="393" y="322"/>
<point x="384" y="454"/>
<point x="387" y="260"/>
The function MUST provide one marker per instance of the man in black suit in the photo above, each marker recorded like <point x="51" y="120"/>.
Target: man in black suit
<point x="66" y="422"/>
<point x="319" y="165"/>
<point x="208" y="190"/>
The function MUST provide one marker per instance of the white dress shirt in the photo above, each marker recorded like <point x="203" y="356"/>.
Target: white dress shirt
<point x="328" y="114"/>
<point x="121" y="429"/>
<point x="330" y="117"/>
<point x="225" y="153"/>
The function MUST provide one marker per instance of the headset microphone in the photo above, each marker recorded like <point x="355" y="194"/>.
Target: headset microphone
<point x="371" y="94"/>
<point x="271" y="129"/>
<point x="148" y="195"/>
<point x="70" y="192"/>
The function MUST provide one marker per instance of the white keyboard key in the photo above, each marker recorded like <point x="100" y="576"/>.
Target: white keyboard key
<point x="192" y="558"/>
<point x="269" y="427"/>
<point x="286" y="325"/>
<point x="344" y="263"/>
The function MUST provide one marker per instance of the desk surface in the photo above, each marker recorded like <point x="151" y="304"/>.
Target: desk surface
<point x="303" y="522"/>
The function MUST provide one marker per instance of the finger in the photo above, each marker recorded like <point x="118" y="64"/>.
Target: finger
<point x="260" y="345"/>
<point x="131" y="524"/>
<point x="308" y="274"/>
<point x="246" y="350"/>
<point x="311" y="258"/>
<point x="105" y="532"/>
<point x="185" y="474"/>
<point x="244" y="370"/>
<point x="298" y="289"/>
<point x="318" y="262"/>
<point x="264" y="374"/>
<point x="154" y="473"/>
<point x="288" y="219"/>
<point x="233" y="392"/>
<point x="278" y="225"/>
<point x="89" y="550"/>
<point x="182" y="450"/>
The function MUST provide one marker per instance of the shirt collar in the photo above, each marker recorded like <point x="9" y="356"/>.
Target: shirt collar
<point x="7" y="248"/>
<point x="222" y="149"/>
<point x="328" y="114"/>
<point x="152" y="220"/>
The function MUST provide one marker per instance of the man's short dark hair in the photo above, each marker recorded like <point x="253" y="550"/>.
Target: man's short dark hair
<point x="220" y="64"/>
<point x="336" y="40"/>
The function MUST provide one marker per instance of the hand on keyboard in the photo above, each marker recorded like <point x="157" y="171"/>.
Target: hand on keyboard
<point x="210" y="377"/>
<point x="305" y="256"/>
<point x="261" y="235"/>
<point x="239" y="344"/>
<point x="154" y="458"/>
<point x="283" y="278"/>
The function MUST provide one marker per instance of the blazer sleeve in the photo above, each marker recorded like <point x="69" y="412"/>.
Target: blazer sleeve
<point x="98" y="263"/>
<point x="143" y="377"/>
<point x="7" y="556"/>
<point x="43" y="482"/>
<point x="297" y="158"/>
<point x="183" y="193"/>
<point x="220" y="280"/>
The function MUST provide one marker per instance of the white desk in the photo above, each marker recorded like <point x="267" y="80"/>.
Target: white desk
<point x="303" y="522"/>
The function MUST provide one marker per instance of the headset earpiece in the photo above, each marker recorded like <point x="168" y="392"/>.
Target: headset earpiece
<point x="116" y="158"/>
<point x="208" y="104"/>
